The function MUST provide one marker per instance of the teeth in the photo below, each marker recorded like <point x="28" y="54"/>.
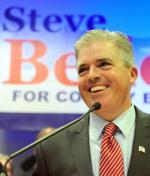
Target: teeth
<point x="97" y="88"/>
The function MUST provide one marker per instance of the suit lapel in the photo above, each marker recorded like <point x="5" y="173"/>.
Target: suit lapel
<point x="140" y="152"/>
<point x="79" y="144"/>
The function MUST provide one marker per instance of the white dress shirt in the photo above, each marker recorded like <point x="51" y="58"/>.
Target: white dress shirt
<point x="124" y="136"/>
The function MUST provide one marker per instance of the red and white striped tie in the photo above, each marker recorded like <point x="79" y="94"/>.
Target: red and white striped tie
<point x="111" y="161"/>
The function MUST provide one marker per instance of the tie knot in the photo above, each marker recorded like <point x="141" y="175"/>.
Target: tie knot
<point x="110" y="129"/>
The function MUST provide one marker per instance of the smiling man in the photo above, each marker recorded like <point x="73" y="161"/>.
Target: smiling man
<point x="105" y="74"/>
<point x="114" y="140"/>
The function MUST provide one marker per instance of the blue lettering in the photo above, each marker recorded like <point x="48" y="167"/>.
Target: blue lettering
<point x="74" y="26"/>
<point x="12" y="17"/>
<point x="61" y="96"/>
<point x="33" y="20"/>
<point x="43" y="95"/>
<point x="132" y="94"/>
<point x="147" y="98"/>
<point x="29" y="96"/>
<point x="17" y="19"/>
<point x="16" y="94"/>
<point x="75" y="96"/>
<point x="51" y="22"/>
<point x="95" y="21"/>
<point x="64" y="96"/>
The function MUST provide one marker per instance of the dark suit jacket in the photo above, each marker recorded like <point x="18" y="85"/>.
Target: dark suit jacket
<point x="67" y="153"/>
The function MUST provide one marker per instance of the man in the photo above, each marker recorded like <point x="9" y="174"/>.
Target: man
<point x="45" y="131"/>
<point x="3" y="159"/>
<point x="28" y="164"/>
<point x="112" y="141"/>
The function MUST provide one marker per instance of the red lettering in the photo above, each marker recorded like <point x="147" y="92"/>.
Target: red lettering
<point x="60" y="70"/>
<point x="17" y="60"/>
<point x="145" y="71"/>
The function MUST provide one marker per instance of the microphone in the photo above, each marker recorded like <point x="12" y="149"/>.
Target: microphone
<point x="95" y="106"/>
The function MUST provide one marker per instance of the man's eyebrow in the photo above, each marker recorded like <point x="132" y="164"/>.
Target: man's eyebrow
<point x="81" y="65"/>
<point x="103" y="59"/>
<point x="98" y="60"/>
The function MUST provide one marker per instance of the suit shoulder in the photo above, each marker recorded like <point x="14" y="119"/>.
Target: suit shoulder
<point x="143" y="116"/>
<point x="62" y="132"/>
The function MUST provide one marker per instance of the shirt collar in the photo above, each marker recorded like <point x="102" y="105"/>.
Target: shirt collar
<point x="125" y="122"/>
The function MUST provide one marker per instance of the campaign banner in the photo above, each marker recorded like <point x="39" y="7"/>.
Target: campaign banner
<point x="37" y="62"/>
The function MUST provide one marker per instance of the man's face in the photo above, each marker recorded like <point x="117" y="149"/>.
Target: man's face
<point x="104" y="78"/>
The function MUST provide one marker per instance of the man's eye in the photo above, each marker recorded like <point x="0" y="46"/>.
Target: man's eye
<point x="82" y="70"/>
<point x="104" y="64"/>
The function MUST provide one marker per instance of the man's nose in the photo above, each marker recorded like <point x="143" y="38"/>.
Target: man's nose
<point x="94" y="74"/>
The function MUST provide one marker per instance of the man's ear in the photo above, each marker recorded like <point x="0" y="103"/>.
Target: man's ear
<point x="134" y="74"/>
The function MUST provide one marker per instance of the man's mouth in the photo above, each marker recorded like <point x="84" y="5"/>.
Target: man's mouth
<point x="97" y="89"/>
